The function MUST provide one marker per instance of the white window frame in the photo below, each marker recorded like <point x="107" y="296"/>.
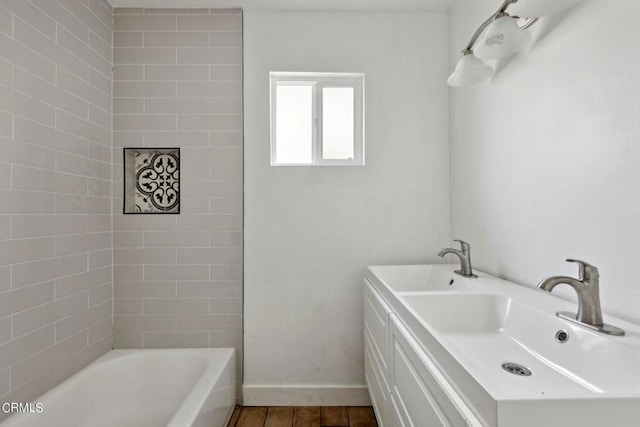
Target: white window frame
<point x="319" y="81"/>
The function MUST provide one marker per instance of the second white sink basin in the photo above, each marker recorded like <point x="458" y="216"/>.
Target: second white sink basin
<point x="483" y="331"/>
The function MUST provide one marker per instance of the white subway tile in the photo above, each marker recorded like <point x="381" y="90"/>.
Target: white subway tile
<point x="35" y="365"/>
<point x="98" y="259"/>
<point x="175" y="239"/>
<point x="226" y="138"/>
<point x="101" y="81"/>
<point x="5" y="332"/>
<point x="226" y="105"/>
<point x="100" y="294"/>
<point x="26" y="106"/>
<point x="226" y="306"/>
<point x="80" y="165"/>
<point x="211" y="89"/>
<point x="45" y="180"/>
<point x="23" y="250"/>
<point x="27" y="59"/>
<point x="144" y="289"/>
<point x="71" y="244"/>
<point x="175" y="305"/>
<point x="128" y="72"/>
<point x="36" y="17"/>
<point x="128" y="39"/>
<point x="129" y="105"/>
<point x="6" y="22"/>
<point x="176" y="272"/>
<point x="128" y="273"/>
<point x="47" y="225"/>
<point x="147" y="256"/>
<point x="228" y="72"/>
<point x="17" y="201"/>
<point x="146" y="323"/>
<point x="82" y="320"/>
<point x="226" y="205"/>
<point x="226" y="272"/>
<point x="49" y="49"/>
<point x="21" y="299"/>
<point x="45" y="136"/>
<point x="130" y="122"/>
<point x="145" y="23"/>
<point x="48" y="269"/>
<point x="127" y="306"/>
<point x="66" y="203"/>
<point x="184" y="139"/>
<point x="5" y="227"/>
<point x="81" y="282"/>
<point x="208" y="255"/>
<point x="210" y="23"/>
<point x="210" y="222"/>
<point x="144" y="89"/>
<point x="36" y="318"/>
<point x="83" y="128"/>
<point x="96" y="55"/>
<point x="210" y="55"/>
<point x="82" y="12"/>
<point x="140" y="55"/>
<point x="103" y="11"/>
<point x="210" y="322"/>
<point x="58" y="13"/>
<point x="83" y="90"/>
<point x="99" y="117"/>
<point x="210" y="122"/>
<point x="100" y="330"/>
<point x="226" y="39"/>
<point x="217" y="288"/>
<point x="176" y="39"/>
<point x="176" y="73"/>
<point x="23" y="347"/>
<point x="226" y="172"/>
<point x="175" y="339"/>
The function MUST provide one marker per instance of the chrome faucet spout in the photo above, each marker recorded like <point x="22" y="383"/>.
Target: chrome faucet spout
<point x="587" y="287"/>
<point x="465" y="258"/>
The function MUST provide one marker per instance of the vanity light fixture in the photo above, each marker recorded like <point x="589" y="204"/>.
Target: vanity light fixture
<point x="500" y="36"/>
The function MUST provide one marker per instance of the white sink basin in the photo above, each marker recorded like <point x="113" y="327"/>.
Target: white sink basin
<point x="483" y="331"/>
<point x="472" y="327"/>
<point x="418" y="278"/>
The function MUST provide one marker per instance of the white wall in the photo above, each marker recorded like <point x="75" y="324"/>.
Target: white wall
<point x="545" y="156"/>
<point x="310" y="231"/>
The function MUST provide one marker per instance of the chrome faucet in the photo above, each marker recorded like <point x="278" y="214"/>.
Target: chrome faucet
<point x="587" y="286"/>
<point x="465" y="258"/>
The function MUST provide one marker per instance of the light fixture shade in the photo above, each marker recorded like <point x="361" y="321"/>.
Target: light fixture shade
<point x="502" y="38"/>
<point x="469" y="71"/>
<point x="538" y="8"/>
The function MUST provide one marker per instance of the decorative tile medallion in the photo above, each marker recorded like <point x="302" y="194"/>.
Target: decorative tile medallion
<point x="151" y="180"/>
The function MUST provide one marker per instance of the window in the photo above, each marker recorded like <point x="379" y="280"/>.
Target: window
<point x="317" y="119"/>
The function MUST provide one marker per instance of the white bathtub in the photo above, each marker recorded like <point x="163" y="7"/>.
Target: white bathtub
<point x="142" y="388"/>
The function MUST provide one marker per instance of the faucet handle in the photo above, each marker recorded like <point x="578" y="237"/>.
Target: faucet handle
<point x="464" y="245"/>
<point x="586" y="270"/>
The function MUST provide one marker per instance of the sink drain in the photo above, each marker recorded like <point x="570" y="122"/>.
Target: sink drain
<point x="516" y="369"/>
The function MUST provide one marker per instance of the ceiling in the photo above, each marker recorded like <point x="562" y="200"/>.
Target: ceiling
<point x="319" y="5"/>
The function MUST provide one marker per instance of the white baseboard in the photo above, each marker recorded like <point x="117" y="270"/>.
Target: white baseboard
<point x="273" y="395"/>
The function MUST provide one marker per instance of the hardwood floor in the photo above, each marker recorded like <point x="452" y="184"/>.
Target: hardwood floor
<point x="303" y="416"/>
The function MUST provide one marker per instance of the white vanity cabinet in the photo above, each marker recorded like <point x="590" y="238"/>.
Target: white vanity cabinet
<point x="407" y="389"/>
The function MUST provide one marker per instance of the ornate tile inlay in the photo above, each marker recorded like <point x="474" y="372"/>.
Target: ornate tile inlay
<point x="152" y="180"/>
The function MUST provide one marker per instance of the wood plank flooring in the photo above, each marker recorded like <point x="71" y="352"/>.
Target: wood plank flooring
<point x="303" y="416"/>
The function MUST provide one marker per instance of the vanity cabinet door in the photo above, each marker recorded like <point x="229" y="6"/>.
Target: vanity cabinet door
<point x="419" y="391"/>
<point x="376" y="323"/>
<point x="376" y="340"/>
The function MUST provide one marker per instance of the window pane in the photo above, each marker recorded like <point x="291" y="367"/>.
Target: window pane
<point x="337" y="123"/>
<point x="294" y="124"/>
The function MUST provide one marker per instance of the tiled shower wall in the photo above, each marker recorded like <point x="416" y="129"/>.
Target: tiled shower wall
<point x="55" y="191"/>
<point x="178" y="83"/>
